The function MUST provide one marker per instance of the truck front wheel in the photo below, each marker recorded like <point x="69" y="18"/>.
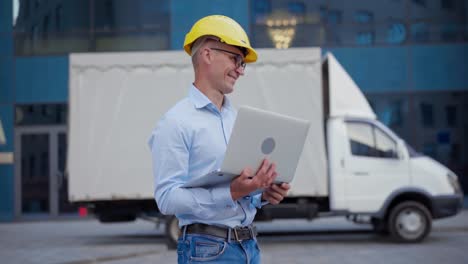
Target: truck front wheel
<point x="172" y="232"/>
<point x="409" y="222"/>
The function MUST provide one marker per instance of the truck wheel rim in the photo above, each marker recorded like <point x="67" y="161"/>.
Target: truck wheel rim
<point x="410" y="224"/>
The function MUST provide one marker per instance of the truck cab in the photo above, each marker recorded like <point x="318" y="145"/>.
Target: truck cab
<point x="374" y="173"/>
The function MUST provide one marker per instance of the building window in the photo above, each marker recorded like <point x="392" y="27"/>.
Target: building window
<point x="262" y="9"/>
<point x="447" y="4"/>
<point x="451" y="115"/>
<point x="32" y="167"/>
<point x="59" y="18"/>
<point x="104" y="15"/>
<point x="392" y="115"/>
<point x="365" y="38"/>
<point x="334" y="17"/>
<point x="430" y="150"/>
<point x="427" y="115"/>
<point x="449" y="32"/>
<point x="45" y="28"/>
<point x="24" y="5"/>
<point x="323" y="13"/>
<point x="330" y="16"/>
<point x="420" y="32"/>
<point x="35" y="36"/>
<point x="364" y="17"/>
<point x="37" y="3"/>
<point x="41" y="114"/>
<point x="420" y="2"/>
<point x="44" y="163"/>
<point x="396" y="33"/>
<point x="455" y="153"/>
<point x="296" y="8"/>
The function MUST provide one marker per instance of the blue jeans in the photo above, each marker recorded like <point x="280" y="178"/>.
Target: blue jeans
<point x="194" y="248"/>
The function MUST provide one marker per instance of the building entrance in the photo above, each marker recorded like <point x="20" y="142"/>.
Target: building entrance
<point x="41" y="185"/>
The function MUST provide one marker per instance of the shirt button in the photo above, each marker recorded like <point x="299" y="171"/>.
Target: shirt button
<point x="247" y="197"/>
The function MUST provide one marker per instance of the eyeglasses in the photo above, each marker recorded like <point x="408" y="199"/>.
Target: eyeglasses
<point x="238" y="60"/>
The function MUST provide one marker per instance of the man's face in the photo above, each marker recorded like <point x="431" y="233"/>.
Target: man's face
<point x="228" y="66"/>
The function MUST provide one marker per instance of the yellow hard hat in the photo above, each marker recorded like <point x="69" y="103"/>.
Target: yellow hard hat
<point x="223" y="27"/>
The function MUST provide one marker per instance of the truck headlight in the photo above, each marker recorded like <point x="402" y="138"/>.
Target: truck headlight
<point x="453" y="180"/>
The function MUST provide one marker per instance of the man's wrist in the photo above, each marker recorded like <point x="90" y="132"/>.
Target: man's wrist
<point x="234" y="194"/>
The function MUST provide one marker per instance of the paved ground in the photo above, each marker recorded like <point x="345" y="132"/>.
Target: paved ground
<point x="328" y="240"/>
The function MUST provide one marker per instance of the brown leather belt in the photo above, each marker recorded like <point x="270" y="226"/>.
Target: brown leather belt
<point x="237" y="234"/>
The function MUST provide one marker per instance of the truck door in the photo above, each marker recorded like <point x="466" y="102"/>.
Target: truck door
<point x="373" y="168"/>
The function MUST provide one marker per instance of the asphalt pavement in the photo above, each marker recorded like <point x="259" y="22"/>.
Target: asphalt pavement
<point x="325" y="240"/>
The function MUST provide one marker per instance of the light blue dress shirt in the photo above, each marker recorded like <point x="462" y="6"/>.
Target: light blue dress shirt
<point x="190" y="141"/>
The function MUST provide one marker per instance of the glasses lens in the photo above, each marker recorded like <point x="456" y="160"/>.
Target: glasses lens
<point x="237" y="58"/>
<point x="240" y="62"/>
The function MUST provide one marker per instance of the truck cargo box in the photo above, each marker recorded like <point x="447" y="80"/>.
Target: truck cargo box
<point x="117" y="98"/>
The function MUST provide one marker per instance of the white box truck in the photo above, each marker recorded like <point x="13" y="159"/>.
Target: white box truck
<point x="352" y="165"/>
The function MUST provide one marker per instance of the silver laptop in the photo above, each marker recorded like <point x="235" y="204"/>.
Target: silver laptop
<point x="259" y="134"/>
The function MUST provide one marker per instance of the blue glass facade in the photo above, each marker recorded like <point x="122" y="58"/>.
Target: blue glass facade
<point x="366" y="66"/>
<point x="6" y="109"/>
<point x="406" y="68"/>
<point x="409" y="58"/>
<point x="47" y="79"/>
<point x="185" y="13"/>
<point x="440" y="67"/>
<point x="6" y="71"/>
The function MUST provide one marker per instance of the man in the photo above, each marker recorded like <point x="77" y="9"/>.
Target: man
<point x="191" y="139"/>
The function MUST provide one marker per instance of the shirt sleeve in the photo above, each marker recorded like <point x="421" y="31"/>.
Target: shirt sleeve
<point x="257" y="201"/>
<point x="170" y="149"/>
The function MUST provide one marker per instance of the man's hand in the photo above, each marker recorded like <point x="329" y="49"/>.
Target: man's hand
<point x="246" y="183"/>
<point x="276" y="193"/>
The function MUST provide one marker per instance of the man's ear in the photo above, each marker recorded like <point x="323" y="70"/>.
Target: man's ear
<point x="206" y="56"/>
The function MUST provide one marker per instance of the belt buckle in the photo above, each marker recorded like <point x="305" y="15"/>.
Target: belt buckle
<point x="236" y="235"/>
<point x="249" y="229"/>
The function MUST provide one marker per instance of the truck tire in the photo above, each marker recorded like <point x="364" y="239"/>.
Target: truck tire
<point x="172" y="232"/>
<point x="409" y="222"/>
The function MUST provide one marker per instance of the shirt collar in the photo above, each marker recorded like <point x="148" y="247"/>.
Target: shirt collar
<point x="200" y="100"/>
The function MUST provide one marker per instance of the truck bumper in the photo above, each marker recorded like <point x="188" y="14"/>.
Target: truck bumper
<point x="446" y="205"/>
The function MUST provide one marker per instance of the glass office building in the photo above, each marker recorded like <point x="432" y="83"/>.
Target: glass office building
<point x="410" y="57"/>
